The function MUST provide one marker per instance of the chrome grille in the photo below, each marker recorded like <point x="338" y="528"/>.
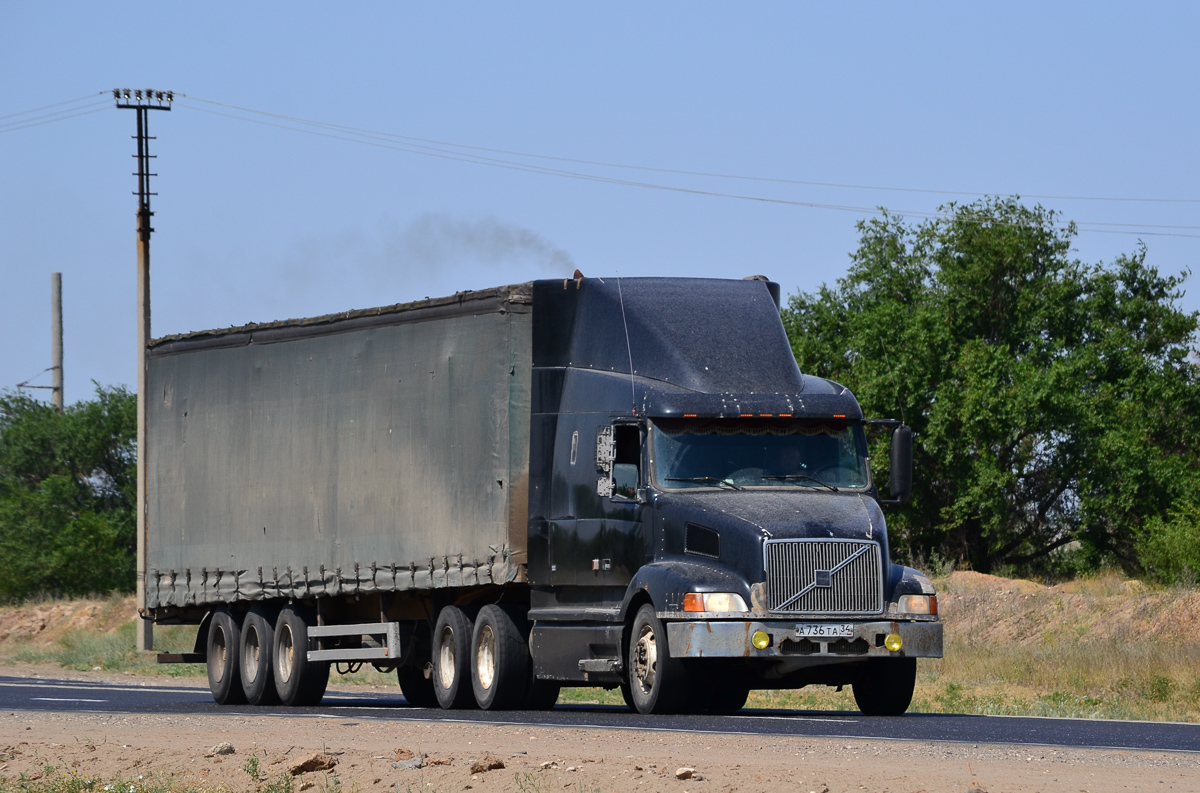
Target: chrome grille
<point x="824" y="577"/>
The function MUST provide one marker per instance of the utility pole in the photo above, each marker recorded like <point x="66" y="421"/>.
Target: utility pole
<point x="56" y="352"/>
<point x="56" y="390"/>
<point x="143" y="102"/>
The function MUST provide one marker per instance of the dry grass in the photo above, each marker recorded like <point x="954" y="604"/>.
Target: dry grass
<point x="1099" y="647"/>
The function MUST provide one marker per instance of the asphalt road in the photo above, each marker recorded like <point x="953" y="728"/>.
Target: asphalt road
<point x="41" y="694"/>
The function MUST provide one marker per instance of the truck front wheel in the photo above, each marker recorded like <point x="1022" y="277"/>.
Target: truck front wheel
<point x="658" y="683"/>
<point x="223" y="646"/>
<point x="298" y="681"/>
<point x="452" y="659"/>
<point x="884" y="686"/>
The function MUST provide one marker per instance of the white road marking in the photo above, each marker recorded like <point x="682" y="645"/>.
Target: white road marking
<point x="102" y="687"/>
<point x="65" y="699"/>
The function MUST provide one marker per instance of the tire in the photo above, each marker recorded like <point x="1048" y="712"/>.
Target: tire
<point x="540" y="694"/>
<point x="417" y="688"/>
<point x="627" y="695"/>
<point x="728" y="698"/>
<point x="298" y="681"/>
<point x="718" y="690"/>
<point x="257" y="650"/>
<point x="499" y="660"/>
<point x="658" y="683"/>
<point x="221" y="652"/>
<point x="452" y="659"/>
<point x="884" y="686"/>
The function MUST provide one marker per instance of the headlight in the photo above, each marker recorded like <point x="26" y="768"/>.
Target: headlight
<point x="714" y="601"/>
<point x="917" y="604"/>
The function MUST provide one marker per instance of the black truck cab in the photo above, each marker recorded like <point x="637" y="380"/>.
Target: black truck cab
<point x="702" y="516"/>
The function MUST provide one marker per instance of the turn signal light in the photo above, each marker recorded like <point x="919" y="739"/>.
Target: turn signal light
<point x="893" y="642"/>
<point x="722" y="602"/>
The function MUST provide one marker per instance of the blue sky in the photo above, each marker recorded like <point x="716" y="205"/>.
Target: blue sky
<point x="256" y="222"/>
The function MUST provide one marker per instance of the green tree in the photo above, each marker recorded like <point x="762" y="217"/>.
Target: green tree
<point x="67" y="494"/>
<point x="1052" y="401"/>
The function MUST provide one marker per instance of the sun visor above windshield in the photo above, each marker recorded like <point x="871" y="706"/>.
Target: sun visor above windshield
<point x="830" y="401"/>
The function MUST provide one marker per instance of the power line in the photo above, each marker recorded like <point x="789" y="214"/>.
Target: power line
<point x="50" y="118"/>
<point x="681" y="172"/>
<point x="56" y="104"/>
<point x="384" y="141"/>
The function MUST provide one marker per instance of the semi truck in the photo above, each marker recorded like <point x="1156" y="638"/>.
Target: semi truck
<point x="615" y="482"/>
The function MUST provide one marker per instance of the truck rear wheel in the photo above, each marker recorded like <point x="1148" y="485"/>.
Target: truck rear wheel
<point x="298" y="681"/>
<point x="884" y="686"/>
<point x="258" y="646"/>
<point x="452" y="659"/>
<point x="221" y="652"/>
<point x="658" y="683"/>
<point x="499" y="661"/>
<point x="417" y="688"/>
<point x="540" y="694"/>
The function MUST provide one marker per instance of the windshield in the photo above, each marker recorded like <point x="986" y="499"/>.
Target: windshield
<point x="740" y="453"/>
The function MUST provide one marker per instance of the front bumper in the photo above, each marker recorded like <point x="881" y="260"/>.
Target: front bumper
<point x="731" y="639"/>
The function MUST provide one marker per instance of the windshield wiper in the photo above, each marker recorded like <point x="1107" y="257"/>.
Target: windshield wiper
<point x="806" y="477"/>
<point x="703" y="479"/>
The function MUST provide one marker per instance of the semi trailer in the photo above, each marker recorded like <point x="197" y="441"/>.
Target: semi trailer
<point x="617" y="482"/>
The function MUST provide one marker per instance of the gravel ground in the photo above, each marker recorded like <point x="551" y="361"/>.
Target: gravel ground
<point x="115" y="747"/>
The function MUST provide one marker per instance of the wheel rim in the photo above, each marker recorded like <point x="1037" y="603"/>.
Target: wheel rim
<point x="485" y="657"/>
<point x="251" y="652"/>
<point x="645" y="659"/>
<point x="446" y="658"/>
<point x="220" y="652"/>
<point x="286" y="656"/>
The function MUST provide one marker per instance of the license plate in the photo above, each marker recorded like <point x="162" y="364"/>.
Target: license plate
<point x="825" y="629"/>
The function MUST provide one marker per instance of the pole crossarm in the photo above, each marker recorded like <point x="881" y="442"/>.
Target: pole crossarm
<point x="142" y="101"/>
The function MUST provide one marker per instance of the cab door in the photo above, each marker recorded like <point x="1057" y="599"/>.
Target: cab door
<point x="624" y="541"/>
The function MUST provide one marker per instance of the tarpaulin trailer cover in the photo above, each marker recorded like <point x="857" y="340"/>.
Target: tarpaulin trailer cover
<point x="372" y="451"/>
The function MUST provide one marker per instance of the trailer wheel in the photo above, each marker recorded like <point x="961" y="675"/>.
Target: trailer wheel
<point x="221" y="652"/>
<point x="417" y="688"/>
<point x="658" y="683"/>
<point x="499" y="661"/>
<point x="452" y="659"/>
<point x="258" y="646"/>
<point x="884" y="686"/>
<point x="298" y="681"/>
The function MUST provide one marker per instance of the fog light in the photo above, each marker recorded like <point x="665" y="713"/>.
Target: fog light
<point x="761" y="640"/>
<point x="893" y="642"/>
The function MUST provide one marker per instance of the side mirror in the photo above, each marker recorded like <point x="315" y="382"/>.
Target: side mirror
<point x="902" y="463"/>
<point x="625" y="480"/>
